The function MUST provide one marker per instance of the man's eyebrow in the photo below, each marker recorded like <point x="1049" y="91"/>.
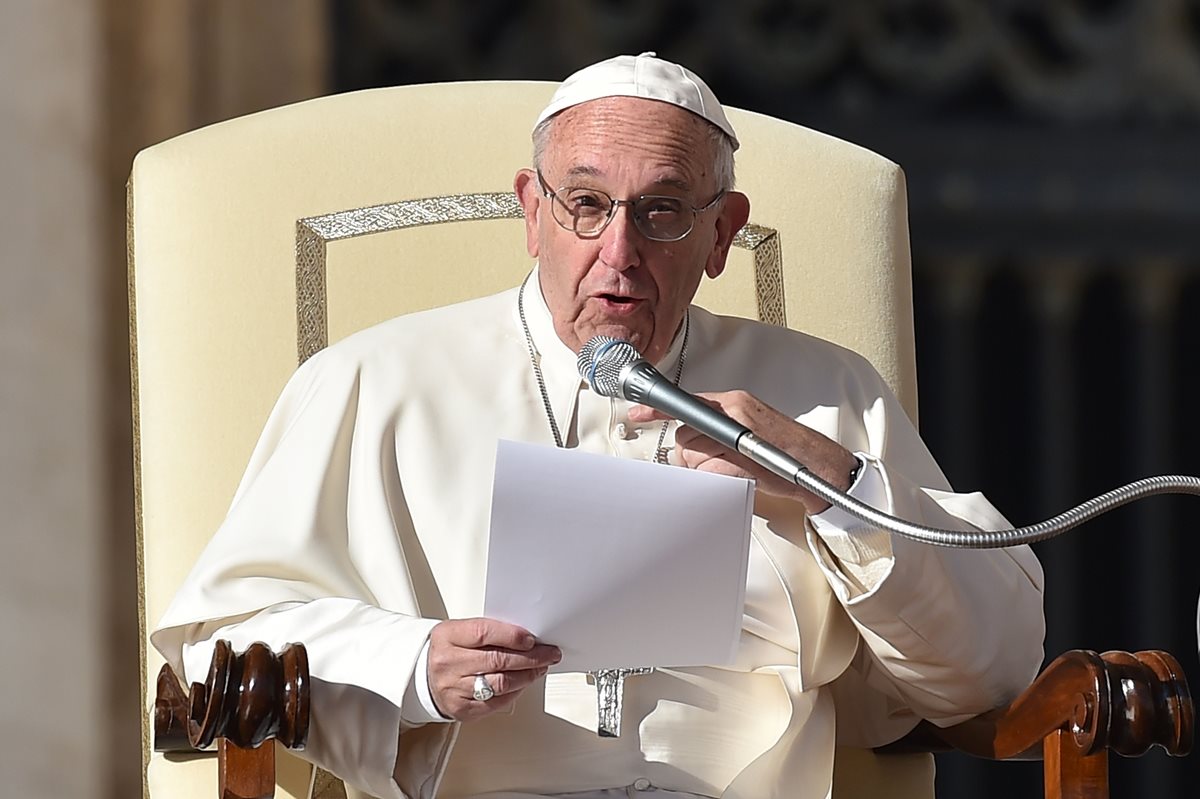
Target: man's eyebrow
<point x="592" y="172"/>
<point x="583" y="171"/>
<point x="675" y="183"/>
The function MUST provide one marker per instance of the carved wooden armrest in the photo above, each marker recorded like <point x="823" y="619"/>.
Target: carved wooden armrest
<point x="1081" y="706"/>
<point x="247" y="700"/>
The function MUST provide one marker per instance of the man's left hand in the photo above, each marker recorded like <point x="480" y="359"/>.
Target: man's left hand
<point x="823" y="456"/>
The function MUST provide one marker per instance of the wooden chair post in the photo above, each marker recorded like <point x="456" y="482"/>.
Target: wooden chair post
<point x="1071" y="774"/>
<point x="248" y="701"/>
<point x="245" y="773"/>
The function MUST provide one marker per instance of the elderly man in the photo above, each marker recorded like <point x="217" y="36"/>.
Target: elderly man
<point x="361" y="525"/>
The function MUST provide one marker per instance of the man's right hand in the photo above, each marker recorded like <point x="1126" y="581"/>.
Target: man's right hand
<point x="508" y="656"/>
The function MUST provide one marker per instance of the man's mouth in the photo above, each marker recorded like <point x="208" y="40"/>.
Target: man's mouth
<point x="619" y="303"/>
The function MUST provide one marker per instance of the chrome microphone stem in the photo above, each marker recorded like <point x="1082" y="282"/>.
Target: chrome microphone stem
<point x="787" y="467"/>
<point x="614" y="368"/>
<point x="770" y="457"/>
<point x="642" y="383"/>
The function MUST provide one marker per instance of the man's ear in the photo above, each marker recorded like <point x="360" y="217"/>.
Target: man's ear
<point x="529" y="195"/>
<point x="735" y="211"/>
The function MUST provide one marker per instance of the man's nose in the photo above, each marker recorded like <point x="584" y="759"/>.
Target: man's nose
<point x="621" y="240"/>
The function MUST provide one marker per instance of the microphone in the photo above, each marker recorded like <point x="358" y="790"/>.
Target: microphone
<point x="614" y="368"/>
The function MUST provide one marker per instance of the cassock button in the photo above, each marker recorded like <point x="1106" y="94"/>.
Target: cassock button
<point x="626" y="432"/>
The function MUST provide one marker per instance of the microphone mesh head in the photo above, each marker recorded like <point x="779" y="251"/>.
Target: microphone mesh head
<point x="601" y="361"/>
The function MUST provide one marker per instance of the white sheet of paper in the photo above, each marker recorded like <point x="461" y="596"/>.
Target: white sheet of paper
<point x="619" y="563"/>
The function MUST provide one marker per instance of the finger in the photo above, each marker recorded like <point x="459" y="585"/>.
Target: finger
<point x="474" y="709"/>
<point x="645" y="413"/>
<point x="696" y="448"/>
<point x="462" y="706"/>
<point x="697" y="451"/>
<point x="718" y="461"/>
<point x="506" y="682"/>
<point x="639" y="414"/>
<point x="481" y="632"/>
<point x="493" y="661"/>
<point x="449" y="664"/>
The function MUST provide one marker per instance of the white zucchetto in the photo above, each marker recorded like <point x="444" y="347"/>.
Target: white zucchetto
<point x="645" y="76"/>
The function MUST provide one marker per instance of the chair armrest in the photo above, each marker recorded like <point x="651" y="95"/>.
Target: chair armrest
<point x="247" y="700"/>
<point x="1082" y="705"/>
<point x="170" y="713"/>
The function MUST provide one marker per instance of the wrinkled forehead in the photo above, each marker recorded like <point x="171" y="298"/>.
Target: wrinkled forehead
<point x="614" y="136"/>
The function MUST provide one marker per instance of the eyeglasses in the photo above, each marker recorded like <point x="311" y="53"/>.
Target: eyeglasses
<point x="586" y="212"/>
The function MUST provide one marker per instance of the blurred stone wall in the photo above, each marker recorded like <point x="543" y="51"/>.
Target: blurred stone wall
<point x="86" y="84"/>
<point x="52" y="474"/>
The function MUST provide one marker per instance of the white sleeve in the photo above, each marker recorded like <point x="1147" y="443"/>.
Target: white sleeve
<point x="312" y="551"/>
<point x="954" y="632"/>
<point x="863" y="552"/>
<point x="419" y="707"/>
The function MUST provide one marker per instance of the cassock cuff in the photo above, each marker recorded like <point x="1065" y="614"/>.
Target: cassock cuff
<point x="418" y="706"/>
<point x="863" y="552"/>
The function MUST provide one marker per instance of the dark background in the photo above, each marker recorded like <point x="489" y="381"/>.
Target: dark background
<point x="1051" y="155"/>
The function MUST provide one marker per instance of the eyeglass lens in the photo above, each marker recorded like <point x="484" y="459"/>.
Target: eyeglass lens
<point x="587" y="211"/>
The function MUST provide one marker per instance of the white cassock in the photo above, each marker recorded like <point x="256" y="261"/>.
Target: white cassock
<point x="362" y="520"/>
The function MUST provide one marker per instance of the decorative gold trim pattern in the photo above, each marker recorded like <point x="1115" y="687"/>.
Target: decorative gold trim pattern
<point x="138" y="520"/>
<point x="768" y="271"/>
<point x="327" y="786"/>
<point x="314" y="233"/>
<point x="312" y="324"/>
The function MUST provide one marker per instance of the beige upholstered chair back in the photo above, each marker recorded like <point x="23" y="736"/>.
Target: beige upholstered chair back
<point x="256" y="241"/>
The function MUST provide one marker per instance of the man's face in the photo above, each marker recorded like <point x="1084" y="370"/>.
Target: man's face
<point x="621" y="283"/>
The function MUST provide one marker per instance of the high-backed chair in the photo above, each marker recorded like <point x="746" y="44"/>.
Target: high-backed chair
<point x="255" y="242"/>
